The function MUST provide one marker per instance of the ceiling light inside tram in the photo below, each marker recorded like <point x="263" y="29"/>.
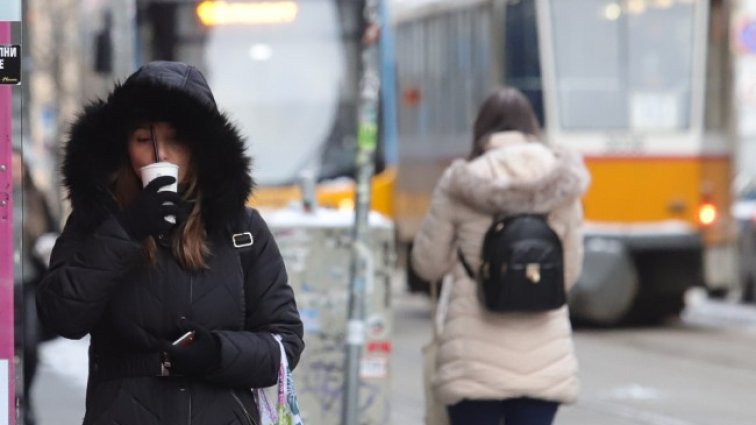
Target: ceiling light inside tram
<point x="636" y="7"/>
<point x="612" y="11"/>
<point x="212" y="13"/>
<point x="663" y="4"/>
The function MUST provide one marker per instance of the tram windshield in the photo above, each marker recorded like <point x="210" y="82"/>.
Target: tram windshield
<point x="280" y="70"/>
<point x="623" y="65"/>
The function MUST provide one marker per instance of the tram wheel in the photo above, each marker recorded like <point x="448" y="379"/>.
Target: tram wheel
<point x="653" y="309"/>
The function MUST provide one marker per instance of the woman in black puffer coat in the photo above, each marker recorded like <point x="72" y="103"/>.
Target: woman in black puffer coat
<point x="136" y="282"/>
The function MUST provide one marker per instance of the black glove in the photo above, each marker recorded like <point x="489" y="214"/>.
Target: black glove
<point x="198" y="357"/>
<point x="146" y="215"/>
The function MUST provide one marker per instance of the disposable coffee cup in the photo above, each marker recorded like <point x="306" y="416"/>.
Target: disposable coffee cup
<point x="152" y="171"/>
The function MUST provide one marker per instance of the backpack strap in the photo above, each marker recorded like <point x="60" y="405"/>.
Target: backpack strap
<point x="242" y="238"/>
<point x="465" y="264"/>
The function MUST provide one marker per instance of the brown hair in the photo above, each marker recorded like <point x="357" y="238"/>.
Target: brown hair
<point x="506" y="109"/>
<point x="189" y="246"/>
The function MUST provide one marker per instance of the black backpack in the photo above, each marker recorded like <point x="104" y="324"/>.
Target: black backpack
<point x="522" y="268"/>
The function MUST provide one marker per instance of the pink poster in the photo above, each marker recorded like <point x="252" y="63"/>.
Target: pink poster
<point x="6" y="249"/>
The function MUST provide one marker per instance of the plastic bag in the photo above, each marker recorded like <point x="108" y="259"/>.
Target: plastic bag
<point x="286" y="411"/>
<point x="435" y="411"/>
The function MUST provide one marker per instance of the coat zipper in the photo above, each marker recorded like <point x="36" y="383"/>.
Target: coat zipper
<point x="189" y="418"/>
<point x="246" y="413"/>
<point x="191" y="296"/>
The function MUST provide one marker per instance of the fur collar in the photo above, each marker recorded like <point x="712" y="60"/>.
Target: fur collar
<point x="517" y="176"/>
<point x="167" y="91"/>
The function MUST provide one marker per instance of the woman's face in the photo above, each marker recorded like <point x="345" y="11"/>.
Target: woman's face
<point x="141" y="151"/>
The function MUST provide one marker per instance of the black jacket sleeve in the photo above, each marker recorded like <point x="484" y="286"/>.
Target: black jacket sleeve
<point x="251" y="358"/>
<point x="85" y="268"/>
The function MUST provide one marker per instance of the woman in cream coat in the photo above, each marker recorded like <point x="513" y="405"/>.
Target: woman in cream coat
<point x="519" y="366"/>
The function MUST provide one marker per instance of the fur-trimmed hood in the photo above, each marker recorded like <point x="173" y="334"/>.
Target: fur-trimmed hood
<point x="528" y="177"/>
<point x="159" y="91"/>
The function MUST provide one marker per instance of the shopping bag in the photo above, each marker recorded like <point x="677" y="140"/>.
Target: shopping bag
<point x="435" y="412"/>
<point x="286" y="411"/>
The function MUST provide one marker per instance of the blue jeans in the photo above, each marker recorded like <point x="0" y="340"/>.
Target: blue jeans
<point x="515" y="411"/>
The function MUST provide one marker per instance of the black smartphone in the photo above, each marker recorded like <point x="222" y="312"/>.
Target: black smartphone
<point x="184" y="339"/>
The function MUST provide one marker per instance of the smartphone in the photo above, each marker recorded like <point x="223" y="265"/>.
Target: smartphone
<point x="184" y="339"/>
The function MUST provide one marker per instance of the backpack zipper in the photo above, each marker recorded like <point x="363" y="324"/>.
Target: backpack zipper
<point x="244" y="409"/>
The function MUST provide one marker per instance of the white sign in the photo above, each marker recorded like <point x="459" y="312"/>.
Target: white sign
<point x="10" y="10"/>
<point x="745" y="94"/>
<point x="654" y="111"/>
<point x="4" y="392"/>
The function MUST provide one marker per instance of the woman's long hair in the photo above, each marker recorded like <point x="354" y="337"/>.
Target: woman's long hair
<point x="189" y="244"/>
<point x="506" y="109"/>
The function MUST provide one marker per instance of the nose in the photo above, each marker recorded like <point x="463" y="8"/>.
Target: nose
<point x="163" y="151"/>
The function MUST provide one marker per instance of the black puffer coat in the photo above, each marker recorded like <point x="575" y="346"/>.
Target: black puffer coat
<point x="101" y="284"/>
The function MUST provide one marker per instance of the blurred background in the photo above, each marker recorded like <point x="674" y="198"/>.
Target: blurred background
<point x="658" y="95"/>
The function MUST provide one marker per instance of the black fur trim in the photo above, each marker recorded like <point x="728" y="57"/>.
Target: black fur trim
<point x="97" y="146"/>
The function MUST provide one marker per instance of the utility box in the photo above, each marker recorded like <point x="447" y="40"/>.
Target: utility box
<point x="317" y="250"/>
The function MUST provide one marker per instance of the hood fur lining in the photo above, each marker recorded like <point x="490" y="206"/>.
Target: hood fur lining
<point x="563" y="182"/>
<point x="97" y="144"/>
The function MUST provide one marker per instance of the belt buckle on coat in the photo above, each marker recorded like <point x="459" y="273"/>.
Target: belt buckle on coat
<point x="242" y="240"/>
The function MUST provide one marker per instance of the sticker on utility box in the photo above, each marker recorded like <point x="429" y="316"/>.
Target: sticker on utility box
<point x="374" y="367"/>
<point x="10" y="64"/>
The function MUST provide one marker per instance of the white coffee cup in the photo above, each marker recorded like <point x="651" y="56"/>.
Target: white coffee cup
<point x="158" y="169"/>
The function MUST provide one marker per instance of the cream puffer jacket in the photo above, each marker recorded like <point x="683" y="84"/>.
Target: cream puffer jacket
<point x="483" y="355"/>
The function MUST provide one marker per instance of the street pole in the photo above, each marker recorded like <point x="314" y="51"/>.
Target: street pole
<point x="7" y="391"/>
<point x="361" y="264"/>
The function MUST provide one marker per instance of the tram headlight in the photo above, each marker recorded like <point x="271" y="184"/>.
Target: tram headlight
<point x="707" y="214"/>
<point x="346" y="204"/>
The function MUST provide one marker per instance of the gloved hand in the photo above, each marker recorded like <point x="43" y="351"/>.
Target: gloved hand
<point x="145" y="216"/>
<point x="197" y="358"/>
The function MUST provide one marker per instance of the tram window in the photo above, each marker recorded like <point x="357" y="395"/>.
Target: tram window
<point x="588" y="66"/>
<point x="441" y="44"/>
<point x="717" y="90"/>
<point x="660" y="64"/>
<point x="431" y="65"/>
<point x="292" y="116"/>
<point x="522" y="65"/>
<point x="467" y="77"/>
<point x="437" y="41"/>
<point x="622" y="69"/>
<point x="454" y="84"/>
<point x="482" y="61"/>
<point x="413" y="79"/>
<point x="444" y="108"/>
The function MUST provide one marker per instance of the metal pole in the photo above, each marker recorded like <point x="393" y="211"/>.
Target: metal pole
<point x="6" y="248"/>
<point x="367" y="133"/>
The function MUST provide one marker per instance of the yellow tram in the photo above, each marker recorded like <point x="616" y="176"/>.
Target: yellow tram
<point x="639" y="87"/>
